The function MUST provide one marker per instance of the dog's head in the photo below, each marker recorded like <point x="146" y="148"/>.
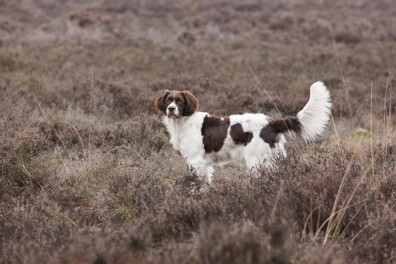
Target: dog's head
<point x="176" y="104"/>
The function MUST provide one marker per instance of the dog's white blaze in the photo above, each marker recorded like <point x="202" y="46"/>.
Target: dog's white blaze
<point x="176" y="112"/>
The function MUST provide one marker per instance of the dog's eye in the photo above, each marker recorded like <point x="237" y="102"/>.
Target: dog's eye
<point x="178" y="101"/>
<point x="168" y="100"/>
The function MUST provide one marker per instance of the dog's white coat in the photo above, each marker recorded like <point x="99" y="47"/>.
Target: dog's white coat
<point x="186" y="137"/>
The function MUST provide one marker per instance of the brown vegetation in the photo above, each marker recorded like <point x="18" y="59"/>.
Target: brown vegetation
<point x="99" y="182"/>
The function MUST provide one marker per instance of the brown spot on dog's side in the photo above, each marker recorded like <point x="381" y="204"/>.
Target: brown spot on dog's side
<point x="270" y="132"/>
<point x="269" y="135"/>
<point x="239" y="136"/>
<point x="214" y="131"/>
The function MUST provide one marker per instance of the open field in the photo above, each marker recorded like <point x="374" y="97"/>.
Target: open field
<point x="86" y="171"/>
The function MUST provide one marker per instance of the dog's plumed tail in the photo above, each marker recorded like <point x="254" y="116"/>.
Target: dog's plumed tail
<point x="310" y="121"/>
<point x="316" y="113"/>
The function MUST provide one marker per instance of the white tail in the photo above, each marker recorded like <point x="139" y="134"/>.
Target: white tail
<point x="316" y="113"/>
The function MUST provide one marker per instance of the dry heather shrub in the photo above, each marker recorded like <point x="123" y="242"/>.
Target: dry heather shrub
<point x="143" y="205"/>
<point x="240" y="243"/>
<point x="82" y="18"/>
<point x="20" y="142"/>
<point x="309" y="185"/>
<point x="8" y="63"/>
<point x="285" y="22"/>
<point x="378" y="243"/>
<point x="347" y="37"/>
<point x="123" y="100"/>
<point x="110" y="99"/>
<point x="314" y="253"/>
<point x="115" y="99"/>
<point x="143" y="133"/>
<point x="130" y="198"/>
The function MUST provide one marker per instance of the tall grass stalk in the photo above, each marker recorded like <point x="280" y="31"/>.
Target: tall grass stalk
<point x="90" y="120"/>
<point x="371" y="130"/>
<point x="343" y="78"/>
<point x="79" y="138"/>
<point x="52" y="127"/>
<point x="335" y="204"/>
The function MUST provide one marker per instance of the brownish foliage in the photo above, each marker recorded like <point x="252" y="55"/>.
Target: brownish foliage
<point x="87" y="173"/>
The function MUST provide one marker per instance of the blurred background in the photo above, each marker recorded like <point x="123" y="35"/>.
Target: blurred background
<point x="87" y="172"/>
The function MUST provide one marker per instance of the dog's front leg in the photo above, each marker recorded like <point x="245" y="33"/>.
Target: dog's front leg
<point x="192" y="171"/>
<point x="203" y="170"/>
<point x="206" y="173"/>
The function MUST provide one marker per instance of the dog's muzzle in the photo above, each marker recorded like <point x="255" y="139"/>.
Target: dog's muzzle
<point x="172" y="110"/>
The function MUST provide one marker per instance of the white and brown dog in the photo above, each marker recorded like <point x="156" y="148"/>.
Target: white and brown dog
<point x="254" y="140"/>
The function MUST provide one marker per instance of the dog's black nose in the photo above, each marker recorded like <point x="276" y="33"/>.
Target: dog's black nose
<point x="171" y="108"/>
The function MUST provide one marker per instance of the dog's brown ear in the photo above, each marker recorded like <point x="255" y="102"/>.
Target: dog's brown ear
<point x="191" y="103"/>
<point x="160" y="101"/>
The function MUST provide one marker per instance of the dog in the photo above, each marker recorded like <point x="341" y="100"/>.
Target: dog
<point x="253" y="140"/>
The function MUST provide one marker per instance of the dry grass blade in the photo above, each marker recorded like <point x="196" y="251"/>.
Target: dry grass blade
<point x="386" y="117"/>
<point x="90" y="119"/>
<point x="339" y="217"/>
<point x="343" y="78"/>
<point x="371" y="130"/>
<point x="364" y="228"/>
<point x="266" y="92"/>
<point x="388" y="123"/>
<point x="333" y="215"/>
<point x="370" y="194"/>
<point x="52" y="127"/>
<point x="335" y="204"/>
<point x="309" y="217"/>
<point x="339" y="142"/>
<point x="385" y="102"/>
<point x="79" y="138"/>
<point x="278" y="196"/>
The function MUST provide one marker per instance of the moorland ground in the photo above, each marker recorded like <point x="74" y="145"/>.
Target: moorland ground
<point x="87" y="173"/>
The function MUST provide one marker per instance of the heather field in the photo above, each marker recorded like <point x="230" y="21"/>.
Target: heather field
<point x="87" y="174"/>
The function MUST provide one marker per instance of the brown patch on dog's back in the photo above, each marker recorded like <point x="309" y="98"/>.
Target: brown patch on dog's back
<point x="270" y="132"/>
<point x="214" y="131"/>
<point x="239" y="136"/>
